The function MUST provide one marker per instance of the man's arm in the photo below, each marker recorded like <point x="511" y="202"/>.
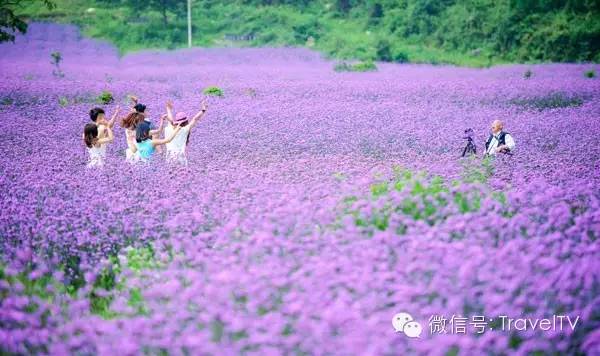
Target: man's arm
<point x="111" y="123"/>
<point x="107" y="139"/>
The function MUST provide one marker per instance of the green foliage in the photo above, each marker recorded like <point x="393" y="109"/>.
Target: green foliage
<point x="379" y="189"/>
<point x="63" y="101"/>
<point x="383" y="50"/>
<point x="139" y="259"/>
<point x="111" y="281"/>
<point x="476" y="170"/>
<point x="41" y="287"/>
<point x="590" y="73"/>
<point x="105" y="97"/>
<point x="213" y="91"/>
<point x="11" y="22"/>
<point x="366" y="66"/>
<point x="467" y="32"/>
<point x="164" y="7"/>
<point x="422" y="198"/>
<point x="400" y="56"/>
<point x="550" y="101"/>
<point x="342" y="67"/>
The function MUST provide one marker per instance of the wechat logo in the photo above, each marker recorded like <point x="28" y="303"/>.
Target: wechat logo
<point x="404" y="323"/>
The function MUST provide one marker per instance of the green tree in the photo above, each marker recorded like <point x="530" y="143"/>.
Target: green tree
<point x="343" y="6"/>
<point x="178" y="7"/>
<point x="11" y="23"/>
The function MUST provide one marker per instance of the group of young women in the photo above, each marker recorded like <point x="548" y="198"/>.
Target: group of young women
<point x="143" y="140"/>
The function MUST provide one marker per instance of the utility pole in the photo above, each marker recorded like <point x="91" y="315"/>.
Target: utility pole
<point x="189" y="8"/>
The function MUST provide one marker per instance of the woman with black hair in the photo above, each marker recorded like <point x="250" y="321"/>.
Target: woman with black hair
<point x="98" y="118"/>
<point x="145" y="144"/>
<point x="95" y="145"/>
<point x="141" y="109"/>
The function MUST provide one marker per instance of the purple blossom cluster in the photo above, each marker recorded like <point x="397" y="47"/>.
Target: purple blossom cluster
<point x="291" y="230"/>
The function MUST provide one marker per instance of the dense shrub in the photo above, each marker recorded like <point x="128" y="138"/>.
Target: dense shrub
<point x="213" y="91"/>
<point x="400" y="56"/>
<point x="383" y="50"/>
<point x="366" y="66"/>
<point x="342" y="67"/>
<point x="105" y="97"/>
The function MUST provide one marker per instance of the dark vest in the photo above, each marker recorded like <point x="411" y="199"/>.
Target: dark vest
<point x="501" y="140"/>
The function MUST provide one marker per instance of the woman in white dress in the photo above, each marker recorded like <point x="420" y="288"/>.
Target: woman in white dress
<point x="176" y="149"/>
<point x="96" y="146"/>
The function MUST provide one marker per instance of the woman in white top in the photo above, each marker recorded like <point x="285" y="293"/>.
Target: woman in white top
<point x="176" y="149"/>
<point x="98" y="117"/>
<point x="96" y="146"/>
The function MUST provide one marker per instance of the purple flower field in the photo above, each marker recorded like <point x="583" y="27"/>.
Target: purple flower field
<point x="316" y="206"/>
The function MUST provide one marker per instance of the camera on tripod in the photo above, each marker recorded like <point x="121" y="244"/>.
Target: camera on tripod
<point x="470" y="148"/>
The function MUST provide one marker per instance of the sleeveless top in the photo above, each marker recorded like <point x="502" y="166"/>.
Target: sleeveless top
<point x="176" y="148"/>
<point x="179" y="143"/>
<point x="145" y="149"/>
<point x="97" y="154"/>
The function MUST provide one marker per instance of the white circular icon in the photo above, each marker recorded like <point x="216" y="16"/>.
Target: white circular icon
<point x="400" y="320"/>
<point x="404" y="323"/>
<point x="412" y="329"/>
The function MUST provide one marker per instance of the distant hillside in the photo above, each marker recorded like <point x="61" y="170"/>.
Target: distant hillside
<point x="465" y="32"/>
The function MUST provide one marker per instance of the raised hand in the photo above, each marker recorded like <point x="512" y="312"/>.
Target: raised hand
<point x="114" y="116"/>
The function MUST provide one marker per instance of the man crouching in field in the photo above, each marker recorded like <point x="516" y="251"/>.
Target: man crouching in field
<point x="499" y="140"/>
